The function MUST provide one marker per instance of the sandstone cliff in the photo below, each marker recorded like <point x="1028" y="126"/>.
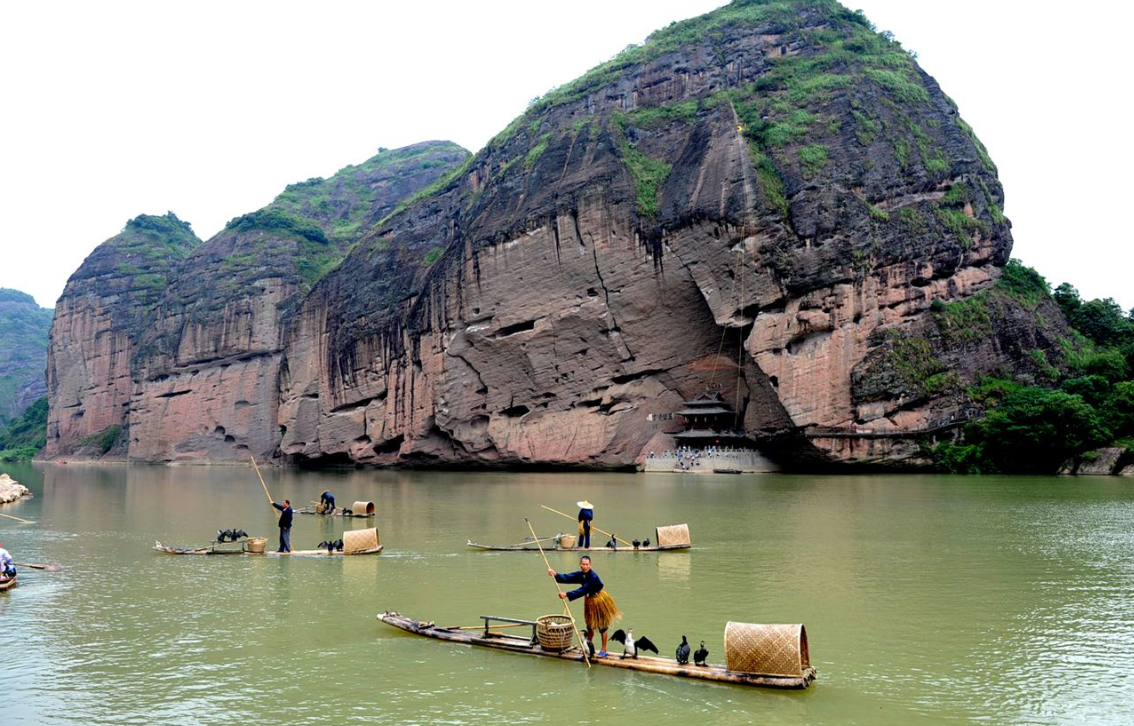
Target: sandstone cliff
<point x="190" y="372"/>
<point x="98" y="321"/>
<point x="775" y="177"/>
<point x="771" y="200"/>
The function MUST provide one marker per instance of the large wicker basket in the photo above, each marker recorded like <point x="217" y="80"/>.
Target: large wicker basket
<point x="672" y="535"/>
<point x="366" y="508"/>
<point x="256" y="545"/>
<point x="766" y="649"/>
<point x="567" y="542"/>
<point x="360" y="540"/>
<point x="554" y="632"/>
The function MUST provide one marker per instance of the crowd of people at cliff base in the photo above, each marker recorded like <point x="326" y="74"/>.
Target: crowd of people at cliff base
<point x="688" y="457"/>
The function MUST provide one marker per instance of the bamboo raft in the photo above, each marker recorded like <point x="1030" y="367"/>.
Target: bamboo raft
<point x="8" y="583"/>
<point x="489" y="638"/>
<point x="216" y="550"/>
<point x="533" y="547"/>
<point x="355" y="542"/>
<point x="337" y="513"/>
<point x="666" y="539"/>
<point x="359" y="510"/>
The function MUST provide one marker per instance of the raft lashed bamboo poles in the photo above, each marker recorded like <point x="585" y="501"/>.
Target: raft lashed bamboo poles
<point x="566" y="607"/>
<point x="266" y="492"/>
<point x="601" y="531"/>
<point x="9" y="516"/>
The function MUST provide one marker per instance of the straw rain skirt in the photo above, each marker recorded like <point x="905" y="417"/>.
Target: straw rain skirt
<point x="599" y="611"/>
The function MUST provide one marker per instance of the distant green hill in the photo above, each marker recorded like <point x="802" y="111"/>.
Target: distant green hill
<point x="24" y="326"/>
<point x="26" y="435"/>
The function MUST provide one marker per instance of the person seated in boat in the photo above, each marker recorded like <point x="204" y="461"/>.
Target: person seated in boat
<point x="286" y="513"/>
<point x="7" y="567"/>
<point x="599" y="610"/>
<point x="328" y="501"/>
<point x="586" y="514"/>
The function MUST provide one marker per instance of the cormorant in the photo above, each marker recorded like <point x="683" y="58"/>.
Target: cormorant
<point x="701" y="655"/>
<point x="683" y="652"/>
<point x="632" y="645"/>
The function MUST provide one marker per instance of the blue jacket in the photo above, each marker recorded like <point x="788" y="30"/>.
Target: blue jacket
<point x="591" y="584"/>
<point x="585" y="516"/>
<point x="285" y="518"/>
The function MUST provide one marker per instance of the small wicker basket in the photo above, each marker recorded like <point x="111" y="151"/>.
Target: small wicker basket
<point x="554" y="632"/>
<point x="256" y="545"/>
<point x="567" y="542"/>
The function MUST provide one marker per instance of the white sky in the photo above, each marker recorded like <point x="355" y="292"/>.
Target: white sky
<point x="113" y="109"/>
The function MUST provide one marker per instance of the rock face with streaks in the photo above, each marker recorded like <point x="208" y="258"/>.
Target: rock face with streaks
<point x="190" y="372"/>
<point x="770" y="200"/>
<point x="98" y="321"/>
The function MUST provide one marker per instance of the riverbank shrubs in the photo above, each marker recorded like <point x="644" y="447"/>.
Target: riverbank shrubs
<point x="26" y="434"/>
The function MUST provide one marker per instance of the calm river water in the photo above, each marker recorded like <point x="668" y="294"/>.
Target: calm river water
<point x="927" y="599"/>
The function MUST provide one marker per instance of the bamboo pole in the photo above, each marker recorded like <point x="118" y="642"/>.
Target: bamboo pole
<point x="608" y="534"/>
<point x="47" y="568"/>
<point x="566" y="607"/>
<point x="270" y="500"/>
<point x="529" y="541"/>
<point x="25" y="521"/>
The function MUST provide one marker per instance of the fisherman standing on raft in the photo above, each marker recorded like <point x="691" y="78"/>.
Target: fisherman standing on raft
<point x="285" y="524"/>
<point x="586" y="514"/>
<point x="599" y="610"/>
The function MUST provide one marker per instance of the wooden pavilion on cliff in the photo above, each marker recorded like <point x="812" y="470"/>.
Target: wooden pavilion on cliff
<point x="708" y="421"/>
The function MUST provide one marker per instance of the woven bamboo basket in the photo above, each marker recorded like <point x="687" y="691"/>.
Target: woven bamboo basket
<point x="554" y="632"/>
<point x="674" y="534"/>
<point x="567" y="542"/>
<point x="319" y="508"/>
<point x="366" y="508"/>
<point x="256" y="545"/>
<point x="767" y="650"/>
<point x="360" y="540"/>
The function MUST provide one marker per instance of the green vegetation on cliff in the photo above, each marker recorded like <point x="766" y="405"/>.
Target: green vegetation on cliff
<point x="1088" y="401"/>
<point x="326" y="217"/>
<point x="138" y="260"/>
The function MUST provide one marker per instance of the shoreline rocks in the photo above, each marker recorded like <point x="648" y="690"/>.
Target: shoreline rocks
<point x="11" y="490"/>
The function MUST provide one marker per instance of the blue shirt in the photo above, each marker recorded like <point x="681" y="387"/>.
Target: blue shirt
<point x="591" y="584"/>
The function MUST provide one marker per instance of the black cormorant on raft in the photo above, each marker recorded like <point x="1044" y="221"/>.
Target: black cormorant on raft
<point x="791" y="665"/>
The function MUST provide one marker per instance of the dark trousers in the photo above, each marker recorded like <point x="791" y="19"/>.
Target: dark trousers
<point x="285" y="539"/>
<point x="585" y="540"/>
